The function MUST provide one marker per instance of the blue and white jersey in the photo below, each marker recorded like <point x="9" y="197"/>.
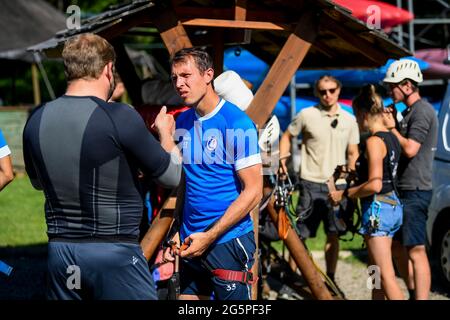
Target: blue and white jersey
<point x="215" y="147"/>
<point x="4" y="149"/>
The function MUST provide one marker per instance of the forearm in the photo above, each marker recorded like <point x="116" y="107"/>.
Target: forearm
<point x="6" y="171"/>
<point x="4" y="180"/>
<point x="285" y="144"/>
<point x="247" y="200"/>
<point x="351" y="160"/>
<point x="407" y="145"/>
<point x="366" y="189"/>
<point x="168" y="144"/>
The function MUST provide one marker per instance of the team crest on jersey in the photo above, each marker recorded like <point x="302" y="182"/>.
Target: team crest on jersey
<point x="211" y="144"/>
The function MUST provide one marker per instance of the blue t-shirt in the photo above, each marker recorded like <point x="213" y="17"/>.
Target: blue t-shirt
<point x="214" y="148"/>
<point x="4" y="149"/>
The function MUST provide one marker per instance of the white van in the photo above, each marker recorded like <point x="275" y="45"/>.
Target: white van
<point x="438" y="223"/>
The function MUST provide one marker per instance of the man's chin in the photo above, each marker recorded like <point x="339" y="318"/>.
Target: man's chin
<point x="190" y="102"/>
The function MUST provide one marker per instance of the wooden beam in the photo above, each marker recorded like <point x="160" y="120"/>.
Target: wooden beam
<point x="240" y="10"/>
<point x="127" y="72"/>
<point x="218" y="52"/>
<point x="360" y="44"/>
<point x="275" y="16"/>
<point x="283" y="69"/>
<point x="322" y="47"/>
<point x="255" y="268"/>
<point x="171" y="30"/>
<point x="218" y="23"/>
<point x="230" y="37"/>
<point x="36" y="87"/>
<point x="301" y="257"/>
<point x="159" y="227"/>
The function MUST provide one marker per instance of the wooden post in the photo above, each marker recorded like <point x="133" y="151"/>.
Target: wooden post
<point x="255" y="268"/>
<point x="36" y="86"/>
<point x="127" y="73"/>
<point x="302" y="258"/>
<point x="218" y="51"/>
<point x="240" y="10"/>
<point x="170" y="28"/>
<point x="159" y="227"/>
<point x="283" y="69"/>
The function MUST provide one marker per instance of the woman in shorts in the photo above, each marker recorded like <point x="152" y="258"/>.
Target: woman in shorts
<point x="376" y="170"/>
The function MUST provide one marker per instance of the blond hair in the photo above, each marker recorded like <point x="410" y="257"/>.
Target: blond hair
<point x="86" y="55"/>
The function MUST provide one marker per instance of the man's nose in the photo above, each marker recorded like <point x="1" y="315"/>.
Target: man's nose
<point x="179" y="82"/>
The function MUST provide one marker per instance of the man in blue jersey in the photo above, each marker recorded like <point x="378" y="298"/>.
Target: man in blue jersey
<point x="222" y="184"/>
<point x="86" y="155"/>
<point x="6" y="169"/>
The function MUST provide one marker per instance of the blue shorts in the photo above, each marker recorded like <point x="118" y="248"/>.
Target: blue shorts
<point x="415" y="214"/>
<point x="98" y="271"/>
<point x="389" y="217"/>
<point x="236" y="254"/>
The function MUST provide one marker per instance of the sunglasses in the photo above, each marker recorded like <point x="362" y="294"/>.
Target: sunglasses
<point x="334" y="123"/>
<point x="324" y="91"/>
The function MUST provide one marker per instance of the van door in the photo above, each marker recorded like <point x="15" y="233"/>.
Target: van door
<point x="443" y="146"/>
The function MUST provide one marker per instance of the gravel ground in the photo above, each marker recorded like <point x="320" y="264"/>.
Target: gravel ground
<point x="351" y="277"/>
<point x="28" y="279"/>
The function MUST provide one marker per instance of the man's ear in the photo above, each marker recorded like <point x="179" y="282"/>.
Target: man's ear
<point x="108" y="70"/>
<point x="209" y="74"/>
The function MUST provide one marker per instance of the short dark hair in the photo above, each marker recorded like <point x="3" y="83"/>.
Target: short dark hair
<point x="201" y="57"/>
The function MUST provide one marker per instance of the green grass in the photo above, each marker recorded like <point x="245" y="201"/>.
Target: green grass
<point x="318" y="242"/>
<point x="22" y="217"/>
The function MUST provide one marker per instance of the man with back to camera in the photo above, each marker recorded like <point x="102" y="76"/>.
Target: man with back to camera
<point x="330" y="137"/>
<point x="417" y="133"/>
<point x="222" y="184"/>
<point x="85" y="154"/>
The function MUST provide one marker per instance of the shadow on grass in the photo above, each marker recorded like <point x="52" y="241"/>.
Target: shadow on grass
<point x="27" y="280"/>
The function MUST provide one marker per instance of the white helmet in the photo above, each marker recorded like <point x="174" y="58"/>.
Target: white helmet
<point x="403" y="69"/>
<point x="231" y="87"/>
<point x="268" y="140"/>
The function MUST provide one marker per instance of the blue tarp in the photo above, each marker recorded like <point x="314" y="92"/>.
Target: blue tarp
<point x="254" y="70"/>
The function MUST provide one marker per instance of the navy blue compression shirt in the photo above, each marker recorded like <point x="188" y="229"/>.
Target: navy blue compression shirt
<point x="85" y="154"/>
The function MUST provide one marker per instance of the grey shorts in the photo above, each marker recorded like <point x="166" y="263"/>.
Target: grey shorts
<point x="98" y="271"/>
<point x="321" y="211"/>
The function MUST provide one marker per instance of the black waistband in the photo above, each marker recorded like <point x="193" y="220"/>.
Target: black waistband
<point x="112" y="239"/>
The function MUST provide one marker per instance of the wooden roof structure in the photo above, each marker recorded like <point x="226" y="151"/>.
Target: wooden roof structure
<point x="288" y="34"/>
